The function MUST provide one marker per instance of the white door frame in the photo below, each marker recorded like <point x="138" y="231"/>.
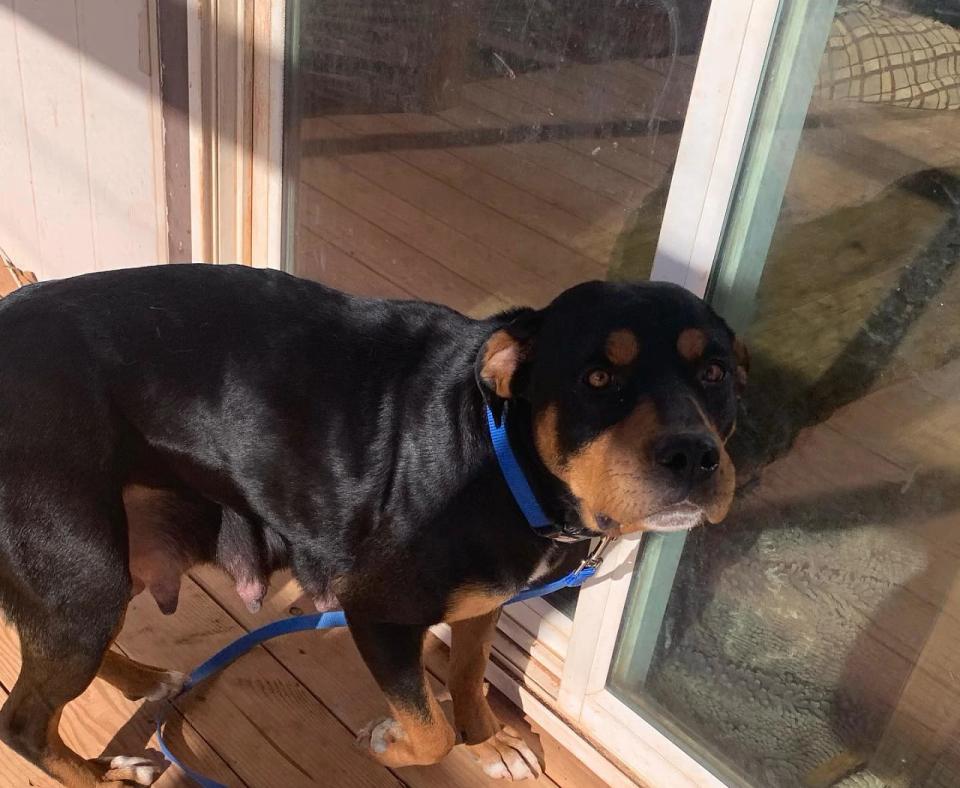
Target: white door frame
<point x="235" y="53"/>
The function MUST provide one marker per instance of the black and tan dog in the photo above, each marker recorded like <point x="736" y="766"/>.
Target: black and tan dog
<point x="155" y="418"/>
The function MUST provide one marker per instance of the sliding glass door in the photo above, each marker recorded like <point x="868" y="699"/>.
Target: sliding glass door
<point x="797" y="163"/>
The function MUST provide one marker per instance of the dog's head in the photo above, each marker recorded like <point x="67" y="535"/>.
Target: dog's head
<point x="632" y="389"/>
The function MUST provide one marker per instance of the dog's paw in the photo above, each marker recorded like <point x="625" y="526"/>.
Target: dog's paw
<point x="386" y="741"/>
<point x="505" y="756"/>
<point x="127" y="769"/>
<point x="163" y="685"/>
<point x="168" y="686"/>
<point x="381" y="739"/>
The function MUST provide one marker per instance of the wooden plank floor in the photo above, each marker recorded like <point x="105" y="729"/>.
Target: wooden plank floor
<point x="284" y="715"/>
<point x="435" y="206"/>
<point x="385" y="211"/>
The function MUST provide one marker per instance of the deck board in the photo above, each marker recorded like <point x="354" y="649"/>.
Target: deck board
<point x="325" y="663"/>
<point x="572" y="158"/>
<point x="519" y="221"/>
<point x="526" y="247"/>
<point x="102" y="721"/>
<point x="515" y="203"/>
<point x="268" y="727"/>
<point x="547" y="104"/>
<point x="496" y="111"/>
<point x="509" y="163"/>
<point x="395" y="260"/>
<point x="473" y="261"/>
<point x="320" y="259"/>
<point x="286" y="714"/>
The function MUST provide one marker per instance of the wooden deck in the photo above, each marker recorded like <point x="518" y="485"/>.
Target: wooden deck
<point x="450" y="207"/>
<point x="283" y="716"/>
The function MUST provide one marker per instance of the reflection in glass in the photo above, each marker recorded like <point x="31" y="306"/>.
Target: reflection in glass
<point x="814" y="639"/>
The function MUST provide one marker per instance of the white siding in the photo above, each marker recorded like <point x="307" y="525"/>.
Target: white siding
<point x="80" y="162"/>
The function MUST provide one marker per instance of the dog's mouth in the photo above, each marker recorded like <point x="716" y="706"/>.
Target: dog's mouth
<point x="678" y="517"/>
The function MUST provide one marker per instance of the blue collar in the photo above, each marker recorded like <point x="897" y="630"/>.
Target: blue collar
<point x="522" y="492"/>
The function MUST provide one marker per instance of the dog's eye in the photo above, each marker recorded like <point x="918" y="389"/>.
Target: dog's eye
<point x="598" y="378"/>
<point x="712" y="374"/>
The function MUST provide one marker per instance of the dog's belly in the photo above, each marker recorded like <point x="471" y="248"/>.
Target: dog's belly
<point x="167" y="535"/>
<point x="169" y="532"/>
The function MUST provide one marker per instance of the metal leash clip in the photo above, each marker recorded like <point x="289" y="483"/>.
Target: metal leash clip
<point x="595" y="557"/>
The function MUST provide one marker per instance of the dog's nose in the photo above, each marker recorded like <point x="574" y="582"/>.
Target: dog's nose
<point x="691" y="456"/>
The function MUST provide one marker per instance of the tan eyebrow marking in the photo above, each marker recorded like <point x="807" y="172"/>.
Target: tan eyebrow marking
<point x="691" y="343"/>
<point x="622" y="347"/>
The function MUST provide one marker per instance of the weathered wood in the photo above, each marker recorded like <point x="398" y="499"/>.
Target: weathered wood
<point x="259" y="717"/>
<point x="103" y="722"/>
<point x="560" y="158"/>
<point x="927" y="714"/>
<point x="475" y="262"/>
<point x="15" y="772"/>
<point x="507" y="162"/>
<point x="596" y="220"/>
<point x="589" y="104"/>
<point x="322" y="261"/>
<point x="526" y="247"/>
<point x="330" y="666"/>
<point x="562" y="767"/>
<point x="518" y="205"/>
<point x="392" y="258"/>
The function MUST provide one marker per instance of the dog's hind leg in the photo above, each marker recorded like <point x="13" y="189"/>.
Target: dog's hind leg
<point x="56" y="669"/>
<point x="67" y="600"/>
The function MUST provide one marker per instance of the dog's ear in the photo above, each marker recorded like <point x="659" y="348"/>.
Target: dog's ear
<point x="503" y="359"/>
<point x="743" y="363"/>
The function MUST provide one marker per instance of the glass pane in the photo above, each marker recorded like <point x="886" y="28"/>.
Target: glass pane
<point x="484" y="154"/>
<point x="814" y="638"/>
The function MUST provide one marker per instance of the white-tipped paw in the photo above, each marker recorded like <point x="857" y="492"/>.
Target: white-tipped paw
<point x="505" y="756"/>
<point x="130" y="769"/>
<point x="377" y="736"/>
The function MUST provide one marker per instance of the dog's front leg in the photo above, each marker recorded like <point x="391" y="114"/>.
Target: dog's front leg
<point x="499" y="750"/>
<point x="417" y="731"/>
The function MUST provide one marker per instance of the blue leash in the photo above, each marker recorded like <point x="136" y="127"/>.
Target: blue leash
<point x="527" y="501"/>
<point x="329" y="620"/>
